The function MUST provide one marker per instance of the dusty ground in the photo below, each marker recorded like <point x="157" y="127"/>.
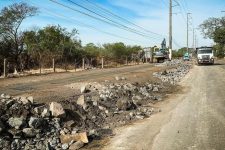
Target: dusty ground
<point x="60" y="86"/>
<point x="192" y="119"/>
<point x="57" y="87"/>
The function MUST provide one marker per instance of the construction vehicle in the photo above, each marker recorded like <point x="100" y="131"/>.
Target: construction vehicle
<point x="162" y="54"/>
<point x="205" y="55"/>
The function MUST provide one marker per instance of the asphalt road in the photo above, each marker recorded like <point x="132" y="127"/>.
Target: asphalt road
<point x="193" y="119"/>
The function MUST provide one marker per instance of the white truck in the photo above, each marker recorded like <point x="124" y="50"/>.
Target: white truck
<point x="205" y="55"/>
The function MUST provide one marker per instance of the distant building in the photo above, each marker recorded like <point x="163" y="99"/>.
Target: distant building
<point x="147" y="52"/>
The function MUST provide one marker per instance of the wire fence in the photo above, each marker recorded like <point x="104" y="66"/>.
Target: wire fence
<point x="9" y="69"/>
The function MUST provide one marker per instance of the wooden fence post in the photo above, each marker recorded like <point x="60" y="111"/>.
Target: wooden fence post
<point x="102" y="62"/>
<point x="75" y="65"/>
<point x="83" y="65"/>
<point x="126" y="61"/>
<point x="4" y="73"/>
<point x="53" y="65"/>
<point x="40" y="68"/>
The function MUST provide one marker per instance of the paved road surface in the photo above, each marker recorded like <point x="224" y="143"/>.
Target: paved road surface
<point x="194" y="119"/>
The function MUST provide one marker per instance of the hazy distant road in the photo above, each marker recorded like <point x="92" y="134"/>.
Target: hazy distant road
<point x="194" y="119"/>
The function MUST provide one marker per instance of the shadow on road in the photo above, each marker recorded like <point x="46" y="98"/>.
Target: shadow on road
<point x="215" y="64"/>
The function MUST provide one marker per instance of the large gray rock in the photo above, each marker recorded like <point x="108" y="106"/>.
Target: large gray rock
<point x="37" y="123"/>
<point x="30" y="132"/>
<point x="125" y="104"/>
<point x="65" y="146"/>
<point x="137" y="100"/>
<point x="16" y="122"/>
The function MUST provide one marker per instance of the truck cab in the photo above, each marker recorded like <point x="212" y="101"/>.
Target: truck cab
<point x="205" y="55"/>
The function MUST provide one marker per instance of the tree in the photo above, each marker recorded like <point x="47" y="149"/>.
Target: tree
<point x="115" y="50"/>
<point x="52" y="42"/>
<point x="92" y="50"/>
<point x="219" y="36"/>
<point x="180" y="52"/>
<point x="11" y="18"/>
<point x="209" y="26"/>
<point x="214" y="28"/>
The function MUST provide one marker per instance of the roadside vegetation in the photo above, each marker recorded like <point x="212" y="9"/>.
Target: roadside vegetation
<point x="36" y="47"/>
<point x="214" y="28"/>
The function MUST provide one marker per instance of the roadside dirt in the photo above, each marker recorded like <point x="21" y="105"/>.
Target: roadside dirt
<point x="192" y="118"/>
<point x="56" y="87"/>
<point x="65" y="88"/>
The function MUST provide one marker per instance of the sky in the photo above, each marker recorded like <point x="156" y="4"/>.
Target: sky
<point x="145" y="17"/>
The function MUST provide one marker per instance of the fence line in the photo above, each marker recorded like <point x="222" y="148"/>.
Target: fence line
<point x="61" y="65"/>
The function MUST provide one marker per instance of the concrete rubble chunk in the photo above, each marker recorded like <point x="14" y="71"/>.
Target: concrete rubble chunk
<point x="31" y="99"/>
<point x="81" y="100"/>
<point x="38" y="110"/>
<point x="45" y="112"/>
<point x="117" y="78"/>
<point x="30" y="132"/>
<point x="155" y="89"/>
<point x="57" y="110"/>
<point x="9" y="103"/>
<point x="2" y="95"/>
<point x="83" y="89"/>
<point x="67" y="138"/>
<point x="123" y="78"/>
<point x="65" y="146"/>
<point x="16" y="122"/>
<point x="124" y="104"/>
<point x="24" y="100"/>
<point x="37" y="123"/>
<point x="7" y="96"/>
<point x="77" y="145"/>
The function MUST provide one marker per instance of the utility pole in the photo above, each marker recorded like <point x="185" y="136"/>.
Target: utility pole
<point x="188" y="32"/>
<point x="193" y="39"/>
<point x="170" y="30"/>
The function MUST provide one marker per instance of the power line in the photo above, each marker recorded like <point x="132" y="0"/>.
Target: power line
<point x="113" y="23"/>
<point x="181" y="10"/>
<point x="164" y="3"/>
<point x="85" y="25"/>
<point x="104" y="16"/>
<point x="121" y="18"/>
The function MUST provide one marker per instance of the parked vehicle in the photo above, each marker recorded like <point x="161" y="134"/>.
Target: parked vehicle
<point x="205" y="55"/>
<point x="186" y="57"/>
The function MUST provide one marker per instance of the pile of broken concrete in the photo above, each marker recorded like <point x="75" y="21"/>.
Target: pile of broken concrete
<point x="175" y="74"/>
<point x="71" y="123"/>
<point x="25" y="124"/>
